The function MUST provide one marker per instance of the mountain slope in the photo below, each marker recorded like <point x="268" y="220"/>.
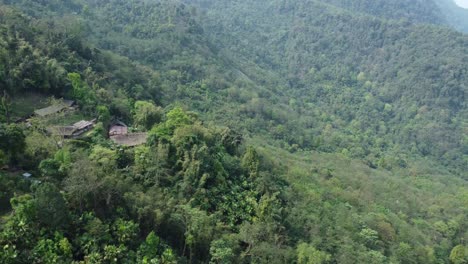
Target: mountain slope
<point x="80" y="205"/>
<point x="357" y="126"/>
<point x="286" y="74"/>
<point x="373" y="75"/>
<point x="456" y="16"/>
<point x="415" y="11"/>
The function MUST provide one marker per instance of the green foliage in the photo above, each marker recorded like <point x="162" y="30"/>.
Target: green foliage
<point x="222" y="252"/>
<point x="370" y="237"/>
<point x="104" y="115"/>
<point x="149" y="250"/>
<point x="8" y="185"/>
<point x="250" y="162"/>
<point x="8" y="254"/>
<point x="39" y="146"/>
<point x="5" y="107"/>
<point x="387" y="113"/>
<point x="63" y="156"/>
<point x="146" y="114"/>
<point x="52" y="211"/>
<point x="52" y="250"/>
<point x="198" y="229"/>
<point x="142" y="158"/>
<point x="104" y="157"/>
<point x="3" y="158"/>
<point x="307" y="254"/>
<point x="458" y="255"/>
<point x="175" y="118"/>
<point x="125" y="231"/>
<point x="51" y="168"/>
<point x="113" y="254"/>
<point x="455" y="15"/>
<point x="168" y="257"/>
<point x="81" y="91"/>
<point x="352" y="112"/>
<point x="12" y="140"/>
<point x="419" y="12"/>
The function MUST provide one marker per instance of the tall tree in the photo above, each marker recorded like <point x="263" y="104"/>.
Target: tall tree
<point x="146" y="114"/>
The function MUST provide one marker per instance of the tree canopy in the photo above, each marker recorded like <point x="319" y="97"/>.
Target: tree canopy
<point x="274" y="132"/>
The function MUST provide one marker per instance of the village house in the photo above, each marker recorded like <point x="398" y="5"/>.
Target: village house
<point x="118" y="133"/>
<point x="53" y="109"/>
<point x="83" y="126"/>
<point x="74" y="130"/>
<point x="118" y="128"/>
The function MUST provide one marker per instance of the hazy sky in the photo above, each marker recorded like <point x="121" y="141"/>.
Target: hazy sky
<point x="462" y="3"/>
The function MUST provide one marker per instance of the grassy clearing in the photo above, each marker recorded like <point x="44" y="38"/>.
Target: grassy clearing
<point x="24" y="105"/>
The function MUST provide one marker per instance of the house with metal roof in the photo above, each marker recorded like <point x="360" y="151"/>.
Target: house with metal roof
<point x="53" y="109"/>
<point x="74" y="130"/>
<point x="50" y="110"/>
<point x="118" y="128"/>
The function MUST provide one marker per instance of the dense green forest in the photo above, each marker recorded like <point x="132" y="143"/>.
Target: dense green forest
<point x="455" y="16"/>
<point x="277" y="132"/>
<point x="370" y="78"/>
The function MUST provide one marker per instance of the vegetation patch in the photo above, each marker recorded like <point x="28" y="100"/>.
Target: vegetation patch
<point x="24" y="105"/>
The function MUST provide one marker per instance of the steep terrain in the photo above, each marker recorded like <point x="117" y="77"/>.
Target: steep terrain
<point x="417" y="11"/>
<point x="456" y="16"/>
<point x="403" y="83"/>
<point x="278" y="132"/>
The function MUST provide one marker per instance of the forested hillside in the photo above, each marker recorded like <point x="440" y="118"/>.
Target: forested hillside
<point x="386" y="81"/>
<point x="456" y="16"/>
<point x="267" y="132"/>
<point x="412" y="10"/>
